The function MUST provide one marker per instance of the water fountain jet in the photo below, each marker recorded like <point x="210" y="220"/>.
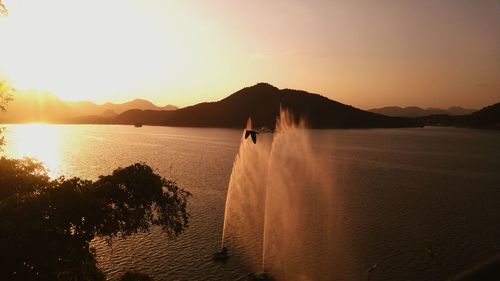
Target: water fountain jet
<point x="279" y="205"/>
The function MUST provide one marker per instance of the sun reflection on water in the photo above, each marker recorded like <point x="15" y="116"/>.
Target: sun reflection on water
<point x="39" y="141"/>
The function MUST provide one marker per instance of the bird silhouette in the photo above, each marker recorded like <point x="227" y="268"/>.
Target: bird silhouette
<point x="251" y="133"/>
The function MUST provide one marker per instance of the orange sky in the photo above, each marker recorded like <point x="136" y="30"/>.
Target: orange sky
<point x="364" y="53"/>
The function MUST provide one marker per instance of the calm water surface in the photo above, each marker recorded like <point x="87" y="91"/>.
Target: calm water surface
<point x="399" y="190"/>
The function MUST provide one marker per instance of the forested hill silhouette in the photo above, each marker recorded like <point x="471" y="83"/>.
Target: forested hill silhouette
<point x="487" y="118"/>
<point x="262" y="102"/>
<point x="414" y="111"/>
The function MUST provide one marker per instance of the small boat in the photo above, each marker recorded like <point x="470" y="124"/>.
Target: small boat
<point x="137" y="125"/>
<point x="221" y="255"/>
<point x="265" y="130"/>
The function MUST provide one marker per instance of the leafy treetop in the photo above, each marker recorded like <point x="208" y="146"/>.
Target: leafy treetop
<point x="46" y="225"/>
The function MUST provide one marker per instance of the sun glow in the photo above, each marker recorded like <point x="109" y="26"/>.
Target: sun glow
<point x="39" y="141"/>
<point x="98" y="50"/>
<point x="368" y="54"/>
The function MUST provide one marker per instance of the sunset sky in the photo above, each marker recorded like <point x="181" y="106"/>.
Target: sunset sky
<point x="364" y="53"/>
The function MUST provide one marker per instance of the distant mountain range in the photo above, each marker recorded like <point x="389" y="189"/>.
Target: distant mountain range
<point x="487" y="118"/>
<point x="262" y="103"/>
<point x="414" y="111"/>
<point x="112" y="109"/>
<point x="32" y="106"/>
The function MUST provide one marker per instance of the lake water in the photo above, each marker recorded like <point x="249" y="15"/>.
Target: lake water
<point x="399" y="189"/>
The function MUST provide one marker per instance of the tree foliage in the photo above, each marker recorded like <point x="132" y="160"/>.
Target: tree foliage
<point x="46" y="225"/>
<point x="3" y="9"/>
<point x="6" y="92"/>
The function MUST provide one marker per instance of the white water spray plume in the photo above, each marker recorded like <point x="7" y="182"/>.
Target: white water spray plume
<point x="281" y="205"/>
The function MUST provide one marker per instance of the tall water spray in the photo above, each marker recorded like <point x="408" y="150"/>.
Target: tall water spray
<point x="244" y="215"/>
<point x="280" y="209"/>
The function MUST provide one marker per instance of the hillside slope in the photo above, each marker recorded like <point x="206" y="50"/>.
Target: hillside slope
<point x="90" y="108"/>
<point x="261" y="103"/>
<point x="486" y="118"/>
<point x="414" y="111"/>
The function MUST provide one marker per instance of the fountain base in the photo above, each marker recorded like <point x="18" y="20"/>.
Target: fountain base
<point x="260" y="276"/>
<point x="221" y="255"/>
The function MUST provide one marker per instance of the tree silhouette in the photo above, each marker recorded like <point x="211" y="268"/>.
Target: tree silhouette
<point x="46" y="225"/>
<point x="5" y="96"/>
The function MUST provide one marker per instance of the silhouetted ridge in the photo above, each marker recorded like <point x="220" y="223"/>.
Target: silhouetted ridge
<point x="90" y="108"/>
<point x="414" y="111"/>
<point x="137" y="116"/>
<point x="262" y="102"/>
<point x="487" y="118"/>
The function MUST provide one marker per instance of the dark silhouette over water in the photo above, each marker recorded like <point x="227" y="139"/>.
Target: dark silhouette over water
<point x="252" y="134"/>
<point x="486" y="118"/>
<point x="262" y="103"/>
<point x="46" y="225"/>
<point x="221" y="255"/>
<point x="414" y="111"/>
